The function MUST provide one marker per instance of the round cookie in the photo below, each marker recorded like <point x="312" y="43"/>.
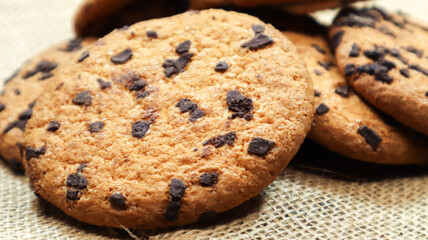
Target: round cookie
<point x="22" y="89"/>
<point x="344" y="123"/>
<point x="163" y="131"/>
<point x="385" y="59"/>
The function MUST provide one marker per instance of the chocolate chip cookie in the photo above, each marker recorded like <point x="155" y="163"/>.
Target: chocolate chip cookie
<point x="21" y="91"/>
<point x="344" y="122"/>
<point x="385" y="58"/>
<point x="170" y="121"/>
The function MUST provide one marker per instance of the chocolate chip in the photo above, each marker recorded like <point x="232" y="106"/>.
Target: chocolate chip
<point x="208" y="179"/>
<point x="353" y="20"/>
<point x="76" y="180"/>
<point x="419" y="69"/>
<point x="221" y="66"/>
<point x="26" y="114"/>
<point x="34" y="153"/>
<point x="417" y="52"/>
<point x="96" y="126"/>
<point x="177" y="189"/>
<point x="326" y="65"/>
<point x="405" y="72"/>
<point x="395" y="53"/>
<point x="374" y="54"/>
<point x="183" y="47"/>
<point x="222" y="140"/>
<point x="81" y="167"/>
<point x="371" y="137"/>
<point x="355" y="51"/>
<point x="83" y="56"/>
<point x="46" y="75"/>
<point x="208" y="217"/>
<point x="176" y="66"/>
<point x="379" y="71"/>
<point x="103" y="84"/>
<point x="137" y="85"/>
<point x="53" y="126"/>
<point x="117" y="199"/>
<point x="140" y="128"/>
<point x="72" y="195"/>
<point x="343" y="90"/>
<point x="318" y="48"/>
<point x="186" y="105"/>
<point x="17" y="92"/>
<point x="317" y="72"/>
<point x="317" y="93"/>
<point x="350" y="70"/>
<point x="257" y="28"/>
<point x="237" y="102"/>
<point x="31" y="104"/>
<point x="206" y="152"/>
<point x="260" y="147"/>
<point x="172" y="210"/>
<point x="337" y="39"/>
<point x="73" y="45"/>
<point x="426" y="94"/>
<point x="259" y="41"/>
<point x="196" y="114"/>
<point x="390" y="65"/>
<point x="122" y="57"/>
<point x="2" y="107"/>
<point x="151" y="34"/>
<point x="142" y="95"/>
<point x="322" y="109"/>
<point x="42" y="66"/>
<point x="83" y="98"/>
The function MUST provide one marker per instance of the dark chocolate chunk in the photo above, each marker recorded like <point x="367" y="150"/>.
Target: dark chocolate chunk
<point x="83" y="98"/>
<point x="83" y="56"/>
<point x="257" y="28"/>
<point x="31" y="104"/>
<point x="326" y="65"/>
<point x="196" y="114"/>
<point x="96" y="126"/>
<point x="317" y="93"/>
<point x="34" y="153"/>
<point x="177" y="189"/>
<point x="405" y="72"/>
<point x="371" y="137"/>
<point x="186" y="105"/>
<point x="53" y="126"/>
<point x="208" y="179"/>
<point x="183" y="47"/>
<point x="318" y="48"/>
<point x="46" y="75"/>
<point x="418" y="68"/>
<point x="322" y="109"/>
<point x="140" y="128"/>
<point x="260" y="147"/>
<point x="390" y="65"/>
<point x="354" y="20"/>
<point x="237" y="102"/>
<point x="374" y="54"/>
<point x="244" y="115"/>
<point x="42" y="66"/>
<point x="176" y="66"/>
<point x="117" y="199"/>
<point x="142" y="95"/>
<point x="17" y="92"/>
<point x="208" y="217"/>
<point x="222" y="140"/>
<point x="122" y="57"/>
<point x="72" y="195"/>
<point x="2" y="107"/>
<point x="343" y="90"/>
<point x="151" y="34"/>
<point x="73" y="45"/>
<point x="76" y="180"/>
<point x="103" y="84"/>
<point x="426" y="94"/>
<point x="355" y="51"/>
<point x="172" y="210"/>
<point x="337" y="39"/>
<point x="317" y="72"/>
<point x="221" y="66"/>
<point x="26" y="114"/>
<point x="137" y="85"/>
<point x="259" y="41"/>
<point x="417" y="52"/>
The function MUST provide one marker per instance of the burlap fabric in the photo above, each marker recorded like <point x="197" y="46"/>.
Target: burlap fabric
<point x="344" y="200"/>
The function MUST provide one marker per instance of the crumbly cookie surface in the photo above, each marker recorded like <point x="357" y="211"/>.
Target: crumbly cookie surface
<point x="384" y="57"/>
<point x="170" y="120"/>
<point x="344" y="122"/>
<point x="21" y="91"/>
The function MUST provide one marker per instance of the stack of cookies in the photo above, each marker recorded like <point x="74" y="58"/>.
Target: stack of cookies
<point x="148" y="123"/>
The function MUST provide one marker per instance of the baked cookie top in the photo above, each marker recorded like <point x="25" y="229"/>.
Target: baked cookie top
<point x="384" y="57"/>
<point x="344" y="122"/>
<point x="21" y="91"/>
<point x="170" y="120"/>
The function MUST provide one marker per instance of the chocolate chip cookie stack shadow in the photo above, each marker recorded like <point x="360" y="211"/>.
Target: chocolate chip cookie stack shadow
<point x="170" y="121"/>
<point x="21" y="91"/>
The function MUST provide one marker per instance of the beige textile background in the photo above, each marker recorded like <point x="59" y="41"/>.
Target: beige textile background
<point x="356" y="201"/>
